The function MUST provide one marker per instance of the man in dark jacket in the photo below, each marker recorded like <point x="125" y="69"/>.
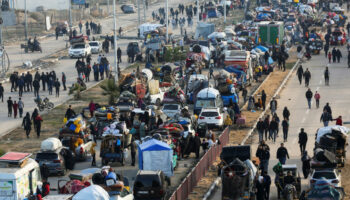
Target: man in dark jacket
<point x="307" y="77"/>
<point x="325" y="118"/>
<point x="264" y="156"/>
<point x="119" y="55"/>
<point x="339" y="55"/>
<point x="282" y="154"/>
<point x="267" y="184"/>
<point x="334" y="54"/>
<point x="273" y="129"/>
<point x="2" y="92"/>
<point x="29" y="81"/>
<point x="326" y="49"/>
<point x="285" y="127"/>
<point x="260" y="127"/>
<point x="70" y="113"/>
<point x="302" y="140"/>
<point x="309" y="96"/>
<point x="13" y="80"/>
<point x="286" y="113"/>
<point x="36" y="85"/>
<point x="44" y="170"/>
<point x="300" y="73"/>
<point x="328" y="108"/>
<point x="43" y="80"/>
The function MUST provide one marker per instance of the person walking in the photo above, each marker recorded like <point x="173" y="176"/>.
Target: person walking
<point x="273" y="105"/>
<point x="50" y="85"/>
<point x="2" y="92"/>
<point x="20" y="107"/>
<point x="267" y="184"/>
<point x="133" y="149"/>
<point x="325" y="118"/>
<point x="273" y="130"/>
<point x="285" y="127"/>
<point x="309" y="96"/>
<point x="300" y="73"/>
<point x="329" y="57"/>
<point x="302" y="140"/>
<point x="339" y="55"/>
<point x="27" y="124"/>
<point x="328" y="108"/>
<point x="334" y="55"/>
<point x="326" y="76"/>
<point x="261" y="128"/>
<point x="263" y="153"/>
<point x="307" y="77"/>
<point x="36" y="85"/>
<point x="64" y="80"/>
<point x="69" y="113"/>
<point x="80" y="27"/>
<point x="96" y="70"/>
<point x="286" y="113"/>
<point x="339" y="121"/>
<point x="263" y="99"/>
<point x="57" y="87"/>
<point x="15" y="109"/>
<point x="9" y="107"/>
<point x="38" y="120"/>
<point x="317" y="97"/>
<point x="306" y="166"/>
<point x="326" y="49"/>
<point x="119" y="55"/>
<point x="282" y="154"/>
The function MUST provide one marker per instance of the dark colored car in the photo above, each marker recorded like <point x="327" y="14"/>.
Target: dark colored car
<point x="54" y="160"/>
<point x="128" y="8"/>
<point x="150" y="185"/>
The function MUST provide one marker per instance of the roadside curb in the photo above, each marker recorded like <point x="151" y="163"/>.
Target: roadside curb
<point x="213" y="186"/>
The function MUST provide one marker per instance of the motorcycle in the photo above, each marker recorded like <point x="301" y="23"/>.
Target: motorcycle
<point x="42" y="104"/>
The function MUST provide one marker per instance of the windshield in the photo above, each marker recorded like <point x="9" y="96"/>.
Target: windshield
<point x="205" y="103"/>
<point x="46" y="156"/>
<point x="171" y="107"/>
<point x="79" y="46"/>
<point x="93" y="44"/>
<point x="326" y="175"/>
<point x="147" y="181"/>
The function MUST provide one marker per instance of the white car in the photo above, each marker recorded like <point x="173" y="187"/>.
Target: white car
<point x="80" y="50"/>
<point x="96" y="47"/>
<point x="332" y="176"/>
<point x="156" y="99"/>
<point x="170" y="110"/>
<point x="212" y="116"/>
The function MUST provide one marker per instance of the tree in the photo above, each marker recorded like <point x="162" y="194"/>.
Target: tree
<point x="111" y="89"/>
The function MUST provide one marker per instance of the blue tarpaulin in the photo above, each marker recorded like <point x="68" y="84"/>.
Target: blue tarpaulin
<point x="78" y="2"/>
<point x="156" y="155"/>
<point x="262" y="48"/>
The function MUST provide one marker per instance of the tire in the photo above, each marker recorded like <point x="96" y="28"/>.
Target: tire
<point x="41" y="108"/>
<point x="50" y="105"/>
<point x="158" y="103"/>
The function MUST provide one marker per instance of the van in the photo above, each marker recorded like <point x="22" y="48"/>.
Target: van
<point x="19" y="176"/>
<point x="150" y="185"/>
<point x="207" y="98"/>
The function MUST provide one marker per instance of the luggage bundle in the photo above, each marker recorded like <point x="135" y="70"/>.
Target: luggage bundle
<point x="74" y="126"/>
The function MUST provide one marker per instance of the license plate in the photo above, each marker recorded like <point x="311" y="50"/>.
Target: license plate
<point x="142" y="192"/>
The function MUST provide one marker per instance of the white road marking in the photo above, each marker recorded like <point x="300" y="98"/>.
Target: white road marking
<point x="295" y="140"/>
<point x="320" y="82"/>
<point x="307" y="111"/>
<point x="318" y="88"/>
<point x="303" y="120"/>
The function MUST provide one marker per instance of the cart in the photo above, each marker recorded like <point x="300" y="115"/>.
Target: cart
<point x="112" y="147"/>
<point x="293" y="168"/>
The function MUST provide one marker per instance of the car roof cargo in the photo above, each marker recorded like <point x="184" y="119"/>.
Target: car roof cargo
<point x="230" y="153"/>
<point x="208" y="93"/>
<point x="50" y="144"/>
<point x="14" y="159"/>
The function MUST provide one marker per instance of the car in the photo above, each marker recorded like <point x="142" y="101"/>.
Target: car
<point x="332" y="176"/>
<point x="54" y="160"/>
<point x="128" y="8"/>
<point x="150" y="185"/>
<point x="156" y="99"/>
<point x="212" y="116"/>
<point x="170" y="110"/>
<point x="79" y="50"/>
<point x="96" y="47"/>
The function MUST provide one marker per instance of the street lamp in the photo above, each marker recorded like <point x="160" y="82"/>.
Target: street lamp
<point x="115" y="44"/>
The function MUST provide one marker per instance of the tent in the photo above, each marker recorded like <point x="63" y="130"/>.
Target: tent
<point x="93" y="192"/>
<point x="156" y="155"/>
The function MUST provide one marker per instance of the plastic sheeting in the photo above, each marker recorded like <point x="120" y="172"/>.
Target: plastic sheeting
<point x="50" y="144"/>
<point x="325" y="130"/>
<point x="156" y="155"/>
<point x="93" y="192"/>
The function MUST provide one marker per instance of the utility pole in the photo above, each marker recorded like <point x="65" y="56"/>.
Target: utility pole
<point x="144" y="11"/>
<point x="70" y="14"/>
<point x="115" y="44"/>
<point x="167" y="20"/>
<point x="198" y="11"/>
<point x="225" y="12"/>
<point x="1" y="22"/>
<point x="108" y="8"/>
<point x="138" y="14"/>
<point x="25" y="21"/>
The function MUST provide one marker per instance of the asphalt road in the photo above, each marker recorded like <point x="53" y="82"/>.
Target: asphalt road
<point x="293" y="97"/>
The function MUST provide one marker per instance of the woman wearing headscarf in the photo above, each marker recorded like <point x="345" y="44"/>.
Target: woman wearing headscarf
<point x="306" y="164"/>
<point x="27" y="124"/>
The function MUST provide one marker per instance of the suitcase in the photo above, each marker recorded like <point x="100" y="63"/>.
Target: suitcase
<point x="240" y="120"/>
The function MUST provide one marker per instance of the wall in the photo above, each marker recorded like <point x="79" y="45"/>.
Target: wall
<point x="48" y="4"/>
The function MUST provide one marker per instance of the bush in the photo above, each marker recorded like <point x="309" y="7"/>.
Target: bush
<point x="2" y="152"/>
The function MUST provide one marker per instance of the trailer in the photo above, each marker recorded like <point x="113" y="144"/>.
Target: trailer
<point x="270" y="33"/>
